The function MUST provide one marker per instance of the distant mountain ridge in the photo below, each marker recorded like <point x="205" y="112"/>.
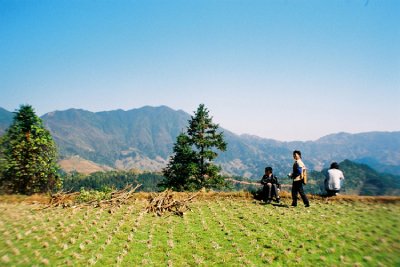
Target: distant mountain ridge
<point x="360" y="179"/>
<point x="121" y="139"/>
<point x="143" y="139"/>
<point x="6" y="118"/>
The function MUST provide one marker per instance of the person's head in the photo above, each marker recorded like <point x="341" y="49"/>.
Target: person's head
<point x="296" y="154"/>
<point x="334" y="165"/>
<point x="268" y="170"/>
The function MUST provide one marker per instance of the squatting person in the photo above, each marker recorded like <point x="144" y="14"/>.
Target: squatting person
<point x="270" y="186"/>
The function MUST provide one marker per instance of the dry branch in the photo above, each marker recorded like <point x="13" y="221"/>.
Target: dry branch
<point x="168" y="201"/>
<point x="117" y="198"/>
<point x="63" y="199"/>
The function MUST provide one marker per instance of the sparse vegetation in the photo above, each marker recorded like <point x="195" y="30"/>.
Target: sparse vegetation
<point x="227" y="229"/>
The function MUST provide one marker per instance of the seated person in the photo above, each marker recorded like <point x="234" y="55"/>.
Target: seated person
<point x="271" y="186"/>
<point x="333" y="180"/>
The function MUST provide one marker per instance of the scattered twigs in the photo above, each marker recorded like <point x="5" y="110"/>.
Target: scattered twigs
<point x="159" y="203"/>
<point x="63" y="199"/>
<point x="116" y="198"/>
<point x="168" y="201"/>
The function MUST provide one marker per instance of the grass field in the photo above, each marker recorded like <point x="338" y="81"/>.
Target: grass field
<point x="222" y="231"/>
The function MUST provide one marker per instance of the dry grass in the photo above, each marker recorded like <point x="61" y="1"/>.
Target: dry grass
<point x="33" y="199"/>
<point x="81" y="165"/>
<point x="204" y="195"/>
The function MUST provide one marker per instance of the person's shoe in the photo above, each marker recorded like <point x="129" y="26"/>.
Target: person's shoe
<point x="278" y="200"/>
<point x="269" y="201"/>
<point x="293" y="205"/>
<point x="307" y="205"/>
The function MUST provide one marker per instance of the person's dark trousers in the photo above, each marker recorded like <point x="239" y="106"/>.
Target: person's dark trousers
<point x="332" y="193"/>
<point x="297" y="188"/>
<point x="269" y="191"/>
<point x="266" y="193"/>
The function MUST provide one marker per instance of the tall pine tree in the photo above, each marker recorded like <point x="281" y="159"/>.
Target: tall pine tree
<point x="29" y="155"/>
<point x="191" y="167"/>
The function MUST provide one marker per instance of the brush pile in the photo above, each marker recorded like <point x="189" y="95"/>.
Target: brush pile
<point x="93" y="198"/>
<point x="159" y="203"/>
<point x="169" y="202"/>
<point x="63" y="199"/>
<point x="117" y="197"/>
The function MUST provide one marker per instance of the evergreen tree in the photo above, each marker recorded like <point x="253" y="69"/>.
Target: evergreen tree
<point x="191" y="167"/>
<point x="180" y="173"/>
<point x="29" y="155"/>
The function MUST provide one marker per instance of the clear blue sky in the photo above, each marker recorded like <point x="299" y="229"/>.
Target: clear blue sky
<point x="287" y="69"/>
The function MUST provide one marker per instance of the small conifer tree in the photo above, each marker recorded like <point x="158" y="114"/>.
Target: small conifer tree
<point x="191" y="167"/>
<point x="180" y="173"/>
<point x="29" y="155"/>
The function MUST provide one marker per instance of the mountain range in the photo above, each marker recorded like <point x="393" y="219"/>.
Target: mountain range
<point x="143" y="138"/>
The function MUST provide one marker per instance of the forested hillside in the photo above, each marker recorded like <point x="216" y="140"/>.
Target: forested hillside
<point x="363" y="180"/>
<point x="360" y="179"/>
<point x="143" y="139"/>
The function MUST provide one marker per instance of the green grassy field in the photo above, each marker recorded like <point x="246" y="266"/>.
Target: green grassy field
<point x="225" y="231"/>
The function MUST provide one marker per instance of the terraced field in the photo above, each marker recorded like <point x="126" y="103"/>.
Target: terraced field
<point x="223" y="231"/>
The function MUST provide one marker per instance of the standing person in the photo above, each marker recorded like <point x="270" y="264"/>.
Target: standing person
<point x="333" y="180"/>
<point x="271" y="185"/>
<point x="296" y="175"/>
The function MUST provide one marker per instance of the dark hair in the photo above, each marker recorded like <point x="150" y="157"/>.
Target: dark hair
<point x="268" y="169"/>
<point x="334" y="165"/>
<point x="297" y="152"/>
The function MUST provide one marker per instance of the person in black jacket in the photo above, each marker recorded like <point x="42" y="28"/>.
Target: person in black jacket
<point x="271" y="186"/>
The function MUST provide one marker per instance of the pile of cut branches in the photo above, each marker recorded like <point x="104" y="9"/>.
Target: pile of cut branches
<point x="63" y="199"/>
<point x="117" y="198"/>
<point x="168" y="202"/>
<point x="114" y="198"/>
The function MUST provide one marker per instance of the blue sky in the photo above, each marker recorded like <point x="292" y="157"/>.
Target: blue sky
<point x="287" y="70"/>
